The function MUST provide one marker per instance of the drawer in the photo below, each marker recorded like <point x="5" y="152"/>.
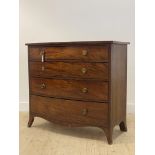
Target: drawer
<point x="93" y="53"/>
<point x="70" y="89"/>
<point x="69" y="70"/>
<point x="70" y="112"/>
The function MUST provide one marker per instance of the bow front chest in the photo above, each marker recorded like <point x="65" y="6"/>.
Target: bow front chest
<point x="79" y="83"/>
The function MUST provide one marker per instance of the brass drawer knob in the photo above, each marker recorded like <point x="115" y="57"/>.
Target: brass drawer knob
<point x="84" y="52"/>
<point x="85" y="90"/>
<point x="43" y="86"/>
<point x="84" y="112"/>
<point x="83" y="70"/>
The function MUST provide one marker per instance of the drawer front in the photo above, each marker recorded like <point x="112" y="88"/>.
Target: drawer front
<point x="70" y="70"/>
<point x="70" y="89"/>
<point x="70" y="112"/>
<point x="94" y="53"/>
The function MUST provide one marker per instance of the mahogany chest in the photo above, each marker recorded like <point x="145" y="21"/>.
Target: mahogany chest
<point x="79" y="83"/>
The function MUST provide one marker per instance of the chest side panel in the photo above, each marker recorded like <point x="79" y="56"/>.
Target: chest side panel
<point x="118" y="83"/>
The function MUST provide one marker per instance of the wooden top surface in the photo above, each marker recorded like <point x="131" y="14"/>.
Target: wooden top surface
<point x="78" y="43"/>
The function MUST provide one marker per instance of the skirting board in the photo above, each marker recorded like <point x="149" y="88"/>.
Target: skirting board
<point x="24" y="106"/>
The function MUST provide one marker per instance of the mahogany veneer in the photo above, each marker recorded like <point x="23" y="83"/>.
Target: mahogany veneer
<point x="79" y="83"/>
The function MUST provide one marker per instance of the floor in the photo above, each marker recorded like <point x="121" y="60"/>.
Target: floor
<point x="45" y="138"/>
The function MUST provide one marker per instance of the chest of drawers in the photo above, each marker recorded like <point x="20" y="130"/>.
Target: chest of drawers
<point x="79" y="83"/>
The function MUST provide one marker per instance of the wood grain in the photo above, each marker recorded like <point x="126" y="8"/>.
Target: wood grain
<point x="69" y="112"/>
<point x="118" y="84"/>
<point x="70" y="70"/>
<point x="71" y="89"/>
<point x="95" y="53"/>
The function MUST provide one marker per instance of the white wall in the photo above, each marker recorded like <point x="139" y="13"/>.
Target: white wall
<point x="75" y="20"/>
